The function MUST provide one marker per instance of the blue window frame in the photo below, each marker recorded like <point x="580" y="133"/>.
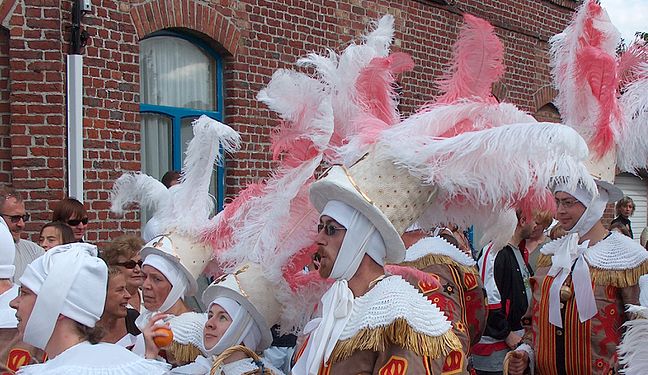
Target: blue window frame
<point x="167" y="113"/>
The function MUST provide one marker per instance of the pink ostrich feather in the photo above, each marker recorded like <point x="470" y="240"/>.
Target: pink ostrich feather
<point x="630" y="62"/>
<point x="219" y="233"/>
<point x="477" y="62"/>
<point x="597" y="69"/>
<point x="375" y="86"/>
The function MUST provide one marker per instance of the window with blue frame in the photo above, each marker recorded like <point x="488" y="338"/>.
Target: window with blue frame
<point x="181" y="78"/>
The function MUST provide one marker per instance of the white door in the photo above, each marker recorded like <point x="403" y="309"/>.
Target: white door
<point x="637" y="189"/>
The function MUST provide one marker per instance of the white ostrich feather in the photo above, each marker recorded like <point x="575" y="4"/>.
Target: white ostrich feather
<point x="490" y="170"/>
<point x="633" y="351"/>
<point x="632" y="148"/>
<point x="138" y="188"/>
<point x="256" y="239"/>
<point x="499" y="232"/>
<point x="192" y="204"/>
<point x="303" y="101"/>
<point x="340" y="72"/>
<point x="437" y="121"/>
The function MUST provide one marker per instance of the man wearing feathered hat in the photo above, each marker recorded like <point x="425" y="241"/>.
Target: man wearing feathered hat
<point x="585" y="280"/>
<point x="371" y="321"/>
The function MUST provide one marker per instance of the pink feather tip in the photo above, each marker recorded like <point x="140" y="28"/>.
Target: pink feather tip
<point x="535" y="202"/>
<point x="375" y="85"/>
<point x="293" y="270"/>
<point x="477" y="63"/>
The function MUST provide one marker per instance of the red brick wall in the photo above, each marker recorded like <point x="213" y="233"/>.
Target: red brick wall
<point x="5" y="140"/>
<point x="255" y="38"/>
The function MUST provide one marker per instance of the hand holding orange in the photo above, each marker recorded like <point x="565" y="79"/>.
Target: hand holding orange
<point x="164" y="340"/>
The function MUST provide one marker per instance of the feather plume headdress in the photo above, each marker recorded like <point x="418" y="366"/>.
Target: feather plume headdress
<point x="186" y="207"/>
<point x="602" y="95"/>
<point x="272" y="223"/>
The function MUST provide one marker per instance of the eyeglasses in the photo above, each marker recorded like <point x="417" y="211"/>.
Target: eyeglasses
<point x="16" y="218"/>
<point x="75" y="222"/>
<point x="567" y="203"/>
<point x="329" y="229"/>
<point x="130" y="264"/>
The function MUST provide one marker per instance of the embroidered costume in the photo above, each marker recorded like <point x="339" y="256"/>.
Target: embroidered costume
<point x="590" y="347"/>
<point x="458" y="293"/>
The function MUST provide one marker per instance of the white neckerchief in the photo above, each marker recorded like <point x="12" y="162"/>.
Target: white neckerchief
<point x="361" y="238"/>
<point x="177" y="279"/>
<point x="571" y="254"/>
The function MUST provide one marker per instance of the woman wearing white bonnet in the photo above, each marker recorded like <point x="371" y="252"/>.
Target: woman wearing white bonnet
<point x="171" y="264"/>
<point x="61" y="298"/>
<point x="240" y="314"/>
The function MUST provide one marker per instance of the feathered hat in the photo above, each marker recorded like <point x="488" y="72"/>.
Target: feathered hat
<point x="272" y="223"/>
<point x="450" y="161"/>
<point x="184" y="210"/>
<point x="601" y="95"/>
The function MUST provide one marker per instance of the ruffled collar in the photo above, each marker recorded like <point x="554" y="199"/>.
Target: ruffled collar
<point x="437" y="246"/>
<point x="391" y="299"/>
<point x="615" y="252"/>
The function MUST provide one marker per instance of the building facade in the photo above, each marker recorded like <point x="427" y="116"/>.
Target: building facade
<point x="151" y="66"/>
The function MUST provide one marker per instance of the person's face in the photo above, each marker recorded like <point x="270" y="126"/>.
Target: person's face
<point x="626" y="210"/>
<point x="78" y="226"/>
<point x="49" y="238"/>
<point x="538" y="231"/>
<point x="218" y="321"/>
<point x="23" y="304"/>
<point x="155" y="288"/>
<point x="568" y="210"/>
<point x="134" y="276"/>
<point x="117" y="296"/>
<point x="328" y="245"/>
<point x="12" y="207"/>
<point x="528" y="227"/>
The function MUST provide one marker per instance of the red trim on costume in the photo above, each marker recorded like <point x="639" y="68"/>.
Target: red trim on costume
<point x="488" y="349"/>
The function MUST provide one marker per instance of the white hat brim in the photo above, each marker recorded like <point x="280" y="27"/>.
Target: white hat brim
<point x="336" y="185"/>
<point x="193" y="284"/>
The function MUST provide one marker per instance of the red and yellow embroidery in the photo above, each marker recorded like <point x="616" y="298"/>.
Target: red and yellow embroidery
<point x="427" y="288"/>
<point x="395" y="366"/>
<point x="18" y="358"/>
<point x="470" y="281"/>
<point x="454" y="363"/>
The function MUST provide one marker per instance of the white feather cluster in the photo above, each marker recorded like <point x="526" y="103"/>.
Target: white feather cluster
<point x="185" y="207"/>
<point x="483" y="173"/>
<point x="633" y="352"/>
<point x="340" y="72"/>
<point x="632" y="147"/>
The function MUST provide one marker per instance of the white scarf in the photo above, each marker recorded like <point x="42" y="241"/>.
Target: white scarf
<point x="177" y="279"/>
<point x="571" y="254"/>
<point x="337" y="303"/>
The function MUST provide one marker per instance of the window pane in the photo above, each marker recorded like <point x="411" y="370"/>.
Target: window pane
<point x="186" y="134"/>
<point x="176" y="73"/>
<point x="156" y="151"/>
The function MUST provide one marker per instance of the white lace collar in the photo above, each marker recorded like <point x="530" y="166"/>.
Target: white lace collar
<point x="391" y="299"/>
<point x="437" y="246"/>
<point x="615" y="252"/>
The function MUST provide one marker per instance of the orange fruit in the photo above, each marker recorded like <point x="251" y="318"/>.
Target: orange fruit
<point x="163" y="341"/>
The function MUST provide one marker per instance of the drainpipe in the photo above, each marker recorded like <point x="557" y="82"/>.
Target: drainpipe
<point x="74" y="97"/>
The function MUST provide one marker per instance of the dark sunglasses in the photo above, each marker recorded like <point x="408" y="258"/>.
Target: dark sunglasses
<point x="16" y="218"/>
<point x="75" y="222"/>
<point x="130" y="264"/>
<point x="329" y="229"/>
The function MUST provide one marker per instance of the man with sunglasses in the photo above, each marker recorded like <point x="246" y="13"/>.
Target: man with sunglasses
<point x="372" y="322"/>
<point x="12" y="209"/>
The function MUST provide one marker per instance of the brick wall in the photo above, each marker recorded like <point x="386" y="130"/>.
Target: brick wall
<point x="255" y="38"/>
<point x="5" y="140"/>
